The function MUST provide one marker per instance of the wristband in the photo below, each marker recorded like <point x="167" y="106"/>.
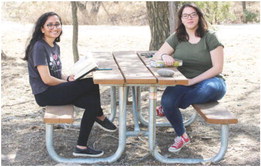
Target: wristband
<point x="68" y="79"/>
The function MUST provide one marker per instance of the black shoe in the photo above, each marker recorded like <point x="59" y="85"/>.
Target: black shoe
<point x="87" y="152"/>
<point x="106" y="125"/>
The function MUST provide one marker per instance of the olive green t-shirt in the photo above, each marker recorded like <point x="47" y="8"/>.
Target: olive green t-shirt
<point x="196" y="57"/>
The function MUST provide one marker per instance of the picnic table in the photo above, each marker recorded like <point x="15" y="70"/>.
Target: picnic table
<point x="129" y="69"/>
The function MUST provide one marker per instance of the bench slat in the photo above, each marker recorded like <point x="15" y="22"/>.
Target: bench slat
<point x="215" y="113"/>
<point x="59" y="114"/>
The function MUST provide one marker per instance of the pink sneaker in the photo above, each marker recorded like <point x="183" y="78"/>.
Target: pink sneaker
<point x="159" y="111"/>
<point x="179" y="142"/>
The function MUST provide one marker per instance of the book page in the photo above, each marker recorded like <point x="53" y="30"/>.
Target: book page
<point x="83" y="66"/>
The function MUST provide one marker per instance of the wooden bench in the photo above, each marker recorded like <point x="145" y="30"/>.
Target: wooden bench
<point x="212" y="113"/>
<point x="59" y="114"/>
<point x="215" y="113"/>
<point x="56" y="115"/>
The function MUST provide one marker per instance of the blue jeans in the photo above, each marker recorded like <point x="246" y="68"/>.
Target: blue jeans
<point x="175" y="97"/>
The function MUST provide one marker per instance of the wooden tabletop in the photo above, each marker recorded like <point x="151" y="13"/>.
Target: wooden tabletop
<point x="114" y="76"/>
<point x="129" y="67"/>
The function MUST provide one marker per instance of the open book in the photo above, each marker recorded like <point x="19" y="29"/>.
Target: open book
<point x="83" y="66"/>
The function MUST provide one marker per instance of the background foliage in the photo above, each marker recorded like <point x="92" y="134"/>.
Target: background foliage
<point x="126" y="13"/>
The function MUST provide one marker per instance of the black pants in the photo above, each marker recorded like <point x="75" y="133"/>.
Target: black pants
<point x="82" y="93"/>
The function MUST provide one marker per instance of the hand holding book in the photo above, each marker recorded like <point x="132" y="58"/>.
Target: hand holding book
<point x="70" y="78"/>
<point x="84" y="66"/>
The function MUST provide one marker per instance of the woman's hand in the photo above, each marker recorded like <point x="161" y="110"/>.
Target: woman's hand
<point x="168" y="60"/>
<point x="70" y="78"/>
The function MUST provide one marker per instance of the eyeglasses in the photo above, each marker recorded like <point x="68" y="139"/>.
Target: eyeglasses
<point x="191" y="15"/>
<point x="51" y="26"/>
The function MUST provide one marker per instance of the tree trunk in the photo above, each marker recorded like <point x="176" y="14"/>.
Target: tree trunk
<point x="94" y="11"/>
<point x="3" y="55"/>
<point x="82" y="8"/>
<point x="173" y="17"/>
<point x="159" y="23"/>
<point x="75" y="31"/>
<point x="244" y="11"/>
<point x="90" y="14"/>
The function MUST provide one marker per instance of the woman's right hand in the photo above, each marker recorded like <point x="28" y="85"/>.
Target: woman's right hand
<point x="164" y="54"/>
<point x="168" y="60"/>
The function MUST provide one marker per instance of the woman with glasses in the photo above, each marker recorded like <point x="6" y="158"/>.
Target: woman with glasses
<point x="51" y="87"/>
<point x="202" y="56"/>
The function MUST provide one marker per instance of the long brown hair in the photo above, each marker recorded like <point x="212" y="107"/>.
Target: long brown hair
<point x="37" y="34"/>
<point x="202" y="24"/>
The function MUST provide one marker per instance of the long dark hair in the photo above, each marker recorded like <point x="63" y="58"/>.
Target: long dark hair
<point x="202" y="24"/>
<point x="37" y="34"/>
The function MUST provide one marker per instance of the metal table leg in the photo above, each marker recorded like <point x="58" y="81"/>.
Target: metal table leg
<point x="134" y="109"/>
<point x="113" y="103"/>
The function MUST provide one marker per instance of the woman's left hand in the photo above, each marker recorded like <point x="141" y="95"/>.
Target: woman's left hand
<point x="70" y="78"/>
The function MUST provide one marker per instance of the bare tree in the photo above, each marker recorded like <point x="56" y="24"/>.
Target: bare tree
<point x="172" y="16"/>
<point x="90" y="14"/>
<point x="75" y="31"/>
<point x="95" y="10"/>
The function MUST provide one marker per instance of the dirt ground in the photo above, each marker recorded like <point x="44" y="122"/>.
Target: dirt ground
<point x="23" y="131"/>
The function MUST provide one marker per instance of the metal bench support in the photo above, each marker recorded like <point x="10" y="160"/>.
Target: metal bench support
<point x="154" y="148"/>
<point x="112" y="158"/>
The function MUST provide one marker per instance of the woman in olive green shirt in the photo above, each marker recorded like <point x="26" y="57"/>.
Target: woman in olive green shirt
<point x="202" y="56"/>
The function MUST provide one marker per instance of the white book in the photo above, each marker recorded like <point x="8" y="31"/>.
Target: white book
<point x="83" y="66"/>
